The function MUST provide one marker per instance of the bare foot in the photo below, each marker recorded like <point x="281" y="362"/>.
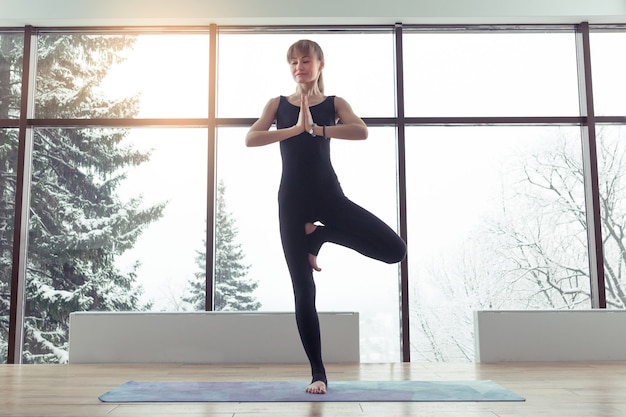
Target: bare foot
<point x="308" y="229"/>
<point x="317" y="387"/>
<point x="313" y="262"/>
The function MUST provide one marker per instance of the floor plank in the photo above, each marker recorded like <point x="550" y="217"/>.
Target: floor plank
<point x="551" y="389"/>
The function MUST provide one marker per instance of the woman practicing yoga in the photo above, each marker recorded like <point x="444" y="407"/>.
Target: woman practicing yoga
<point x="312" y="207"/>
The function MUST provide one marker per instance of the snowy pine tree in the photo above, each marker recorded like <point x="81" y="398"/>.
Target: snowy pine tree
<point x="77" y="222"/>
<point x="233" y="290"/>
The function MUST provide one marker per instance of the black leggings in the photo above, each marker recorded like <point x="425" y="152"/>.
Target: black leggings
<point x="346" y="224"/>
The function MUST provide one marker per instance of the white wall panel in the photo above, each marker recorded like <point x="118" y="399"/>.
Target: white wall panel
<point x="206" y="337"/>
<point x="537" y="336"/>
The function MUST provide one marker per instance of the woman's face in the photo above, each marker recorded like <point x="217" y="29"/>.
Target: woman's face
<point x="305" y="67"/>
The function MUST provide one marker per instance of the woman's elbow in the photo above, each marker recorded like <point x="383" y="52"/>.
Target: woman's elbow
<point x="364" y="133"/>
<point x="250" y="142"/>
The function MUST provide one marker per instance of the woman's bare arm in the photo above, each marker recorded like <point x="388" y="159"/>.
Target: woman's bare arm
<point x="260" y="133"/>
<point x="351" y="127"/>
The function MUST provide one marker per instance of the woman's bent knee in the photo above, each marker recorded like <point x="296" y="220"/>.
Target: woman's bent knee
<point x="397" y="252"/>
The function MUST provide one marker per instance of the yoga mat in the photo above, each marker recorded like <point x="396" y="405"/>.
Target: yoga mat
<point x="338" y="391"/>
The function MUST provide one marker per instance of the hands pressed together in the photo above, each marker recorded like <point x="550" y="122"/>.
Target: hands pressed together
<point x="305" y="119"/>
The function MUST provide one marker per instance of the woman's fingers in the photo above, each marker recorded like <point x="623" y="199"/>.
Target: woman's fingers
<point x="305" y="112"/>
<point x="305" y="119"/>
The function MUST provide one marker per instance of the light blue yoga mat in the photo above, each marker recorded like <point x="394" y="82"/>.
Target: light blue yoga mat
<point x="338" y="391"/>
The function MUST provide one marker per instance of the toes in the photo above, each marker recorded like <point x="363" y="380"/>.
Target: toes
<point x="313" y="262"/>
<point x="317" y="387"/>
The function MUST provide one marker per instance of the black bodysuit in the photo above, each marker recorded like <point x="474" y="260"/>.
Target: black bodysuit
<point x="309" y="192"/>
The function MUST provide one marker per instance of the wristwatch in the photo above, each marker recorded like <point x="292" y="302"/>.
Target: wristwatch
<point x="311" y="129"/>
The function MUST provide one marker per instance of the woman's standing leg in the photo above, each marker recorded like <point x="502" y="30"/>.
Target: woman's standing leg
<point x="294" y="241"/>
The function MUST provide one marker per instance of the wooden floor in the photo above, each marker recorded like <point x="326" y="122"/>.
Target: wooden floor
<point x="551" y="390"/>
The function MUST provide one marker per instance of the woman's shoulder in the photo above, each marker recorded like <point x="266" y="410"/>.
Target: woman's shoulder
<point x="281" y="100"/>
<point x="277" y="99"/>
<point x="273" y="102"/>
<point x="341" y="102"/>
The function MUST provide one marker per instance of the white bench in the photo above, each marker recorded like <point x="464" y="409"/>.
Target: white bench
<point x="552" y="335"/>
<point x="205" y="337"/>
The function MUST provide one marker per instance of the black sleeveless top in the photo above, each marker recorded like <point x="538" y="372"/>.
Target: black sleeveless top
<point x="306" y="158"/>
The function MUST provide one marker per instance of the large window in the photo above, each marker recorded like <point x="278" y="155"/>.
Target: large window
<point x="366" y="170"/>
<point x="169" y="251"/>
<point x="132" y="171"/>
<point x="117" y="219"/>
<point x="122" y="76"/>
<point x="496" y="222"/>
<point x="495" y="213"/>
<point x="8" y="170"/>
<point x="349" y="281"/>
<point x="508" y="73"/>
<point x="612" y="179"/>
<point x="11" y="58"/>
<point x="118" y="216"/>
<point x="608" y="61"/>
<point x="260" y="60"/>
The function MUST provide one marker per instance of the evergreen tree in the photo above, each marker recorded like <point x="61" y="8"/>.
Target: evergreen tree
<point x="78" y="224"/>
<point x="233" y="290"/>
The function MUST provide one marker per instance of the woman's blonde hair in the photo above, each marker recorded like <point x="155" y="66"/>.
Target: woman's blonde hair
<point x="308" y="47"/>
